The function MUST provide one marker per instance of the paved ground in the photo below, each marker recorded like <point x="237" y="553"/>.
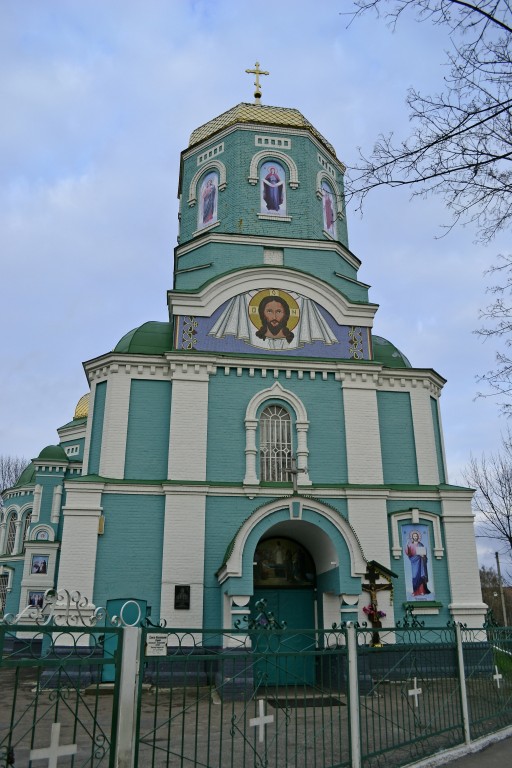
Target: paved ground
<point x="498" y="755"/>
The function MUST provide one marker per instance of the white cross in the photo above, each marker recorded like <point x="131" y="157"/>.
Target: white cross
<point x="415" y="692"/>
<point x="262" y="720"/>
<point x="497" y="676"/>
<point x="53" y="752"/>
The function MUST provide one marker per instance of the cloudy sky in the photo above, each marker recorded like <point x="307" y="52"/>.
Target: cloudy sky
<point x="98" y="99"/>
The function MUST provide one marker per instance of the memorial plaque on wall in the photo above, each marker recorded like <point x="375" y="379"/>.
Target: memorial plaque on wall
<point x="182" y="598"/>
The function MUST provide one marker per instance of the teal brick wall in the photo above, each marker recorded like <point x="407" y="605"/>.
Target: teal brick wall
<point x="80" y="442"/>
<point x="397" y="438"/>
<point x="147" y="444"/>
<point x="129" y="555"/>
<point x="437" y="435"/>
<point x="327" y="460"/>
<point x="49" y="482"/>
<point x="224" y="517"/>
<point x="216" y="259"/>
<point x="239" y="203"/>
<point x="97" y="428"/>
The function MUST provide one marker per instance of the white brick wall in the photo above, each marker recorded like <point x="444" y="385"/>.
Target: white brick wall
<point x="183" y="557"/>
<point x="426" y="456"/>
<point x="115" y="425"/>
<point x="367" y="514"/>
<point x="364" y="459"/>
<point x="80" y="539"/>
<point x="462" y="561"/>
<point x="189" y="419"/>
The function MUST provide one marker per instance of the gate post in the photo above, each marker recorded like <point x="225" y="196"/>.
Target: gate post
<point x="353" y="697"/>
<point x="128" y="698"/>
<point x="463" y="689"/>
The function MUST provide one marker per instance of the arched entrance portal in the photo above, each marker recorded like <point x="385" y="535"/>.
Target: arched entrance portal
<point x="285" y="578"/>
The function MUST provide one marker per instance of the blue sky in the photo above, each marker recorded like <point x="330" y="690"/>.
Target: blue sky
<point x="99" y="98"/>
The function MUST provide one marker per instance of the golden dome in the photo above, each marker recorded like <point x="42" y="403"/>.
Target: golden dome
<point x="257" y="113"/>
<point x="82" y="407"/>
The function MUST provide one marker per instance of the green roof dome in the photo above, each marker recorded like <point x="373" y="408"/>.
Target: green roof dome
<point x="53" y="453"/>
<point x="386" y="353"/>
<point x="151" y="338"/>
<point x="27" y="477"/>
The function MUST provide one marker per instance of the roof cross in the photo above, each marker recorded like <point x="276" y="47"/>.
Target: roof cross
<point x="257" y="71"/>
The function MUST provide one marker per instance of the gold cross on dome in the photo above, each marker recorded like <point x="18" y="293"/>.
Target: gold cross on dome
<point x="257" y="71"/>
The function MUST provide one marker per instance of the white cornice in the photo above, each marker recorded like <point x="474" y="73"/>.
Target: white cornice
<point x="277" y="242"/>
<point x="262" y="128"/>
<point x="367" y="375"/>
<point x="206" y="301"/>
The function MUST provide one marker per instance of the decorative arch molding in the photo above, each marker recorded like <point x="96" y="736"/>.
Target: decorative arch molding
<point x="46" y="528"/>
<point x="205" y="302"/>
<point x="272" y="154"/>
<point x="212" y="165"/>
<point x="251" y="425"/>
<point x="262" y="519"/>
<point x="414" y="516"/>
<point x="321" y="175"/>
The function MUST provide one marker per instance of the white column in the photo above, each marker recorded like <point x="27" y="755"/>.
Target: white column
<point x="3" y="532"/>
<point x="251" y="452"/>
<point x="424" y="438"/>
<point x="88" y="430"/>
<point x="302" y="452"/>
<point x="467" y="605"/>
<point x="183" y="556"/>
<point x="80" y="538"/>
<point x="364" y="458"/>
<point x="17" y="544"/>
<point x="115" y="423"/>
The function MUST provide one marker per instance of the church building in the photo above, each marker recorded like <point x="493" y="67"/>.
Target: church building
<point x="263" y="442"/>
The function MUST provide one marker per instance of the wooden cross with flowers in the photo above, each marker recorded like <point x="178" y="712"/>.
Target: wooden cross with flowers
<point x="374" y="572"/>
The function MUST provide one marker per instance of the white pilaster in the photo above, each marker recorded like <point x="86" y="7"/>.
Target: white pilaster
<point x="88" y="429"/>
<point x="36" y="506"/>
<point x="466" y="605"/>
<point x="424" y="437"/>
<point x="56" y="502"/>
<point x="367" y="513"/>
<point x="364" y="458"/>
<point x="80" y="538"/>
<point x="189" y="422"/>
<point x="115" y="423"/>
<point x="183" y="556"/>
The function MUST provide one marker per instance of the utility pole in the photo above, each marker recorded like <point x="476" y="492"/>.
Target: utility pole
<point x="503" y="608"/>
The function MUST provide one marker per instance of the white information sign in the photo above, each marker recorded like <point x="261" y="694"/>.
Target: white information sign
<point x="156" y="645"/>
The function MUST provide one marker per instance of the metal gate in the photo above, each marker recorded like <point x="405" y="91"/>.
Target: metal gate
<point x="51" y="703"/>
<point x="210" y="700"/>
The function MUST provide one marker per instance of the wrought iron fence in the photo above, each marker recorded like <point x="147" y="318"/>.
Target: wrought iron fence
<point x="50" y="704"/>
<point x="258" y="695"/>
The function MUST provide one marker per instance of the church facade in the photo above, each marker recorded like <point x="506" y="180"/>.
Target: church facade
<point x="263" y="442"/>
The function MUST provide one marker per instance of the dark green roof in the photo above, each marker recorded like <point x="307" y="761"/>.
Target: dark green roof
<point x="27" y="477"/>
<point x="151" y="338"/>
<point x="53" y="453"/>
<point x="386" y="353"/>
<point x="75" y="423"/>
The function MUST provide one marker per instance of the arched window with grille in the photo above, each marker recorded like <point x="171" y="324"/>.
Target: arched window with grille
<point x="275" y="444"/>
<point x="11" y="534"/>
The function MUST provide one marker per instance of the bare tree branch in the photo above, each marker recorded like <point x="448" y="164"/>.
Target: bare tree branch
<point x="11" y="468"/>
<point x="461" y="143"/>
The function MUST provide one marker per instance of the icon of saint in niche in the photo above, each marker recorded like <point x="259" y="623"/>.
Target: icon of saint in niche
<point x="416" y="549"/>
<point x="328" y="203"/>
<point x="272" y="189"/>
<point x="208" y="200"/>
